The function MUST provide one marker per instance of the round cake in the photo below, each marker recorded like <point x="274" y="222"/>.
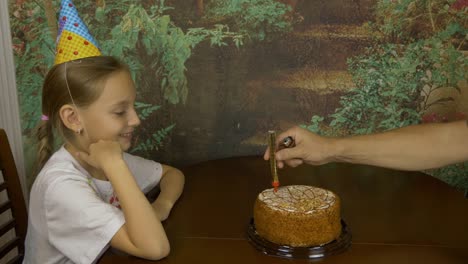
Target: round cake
<point x="298" y="216"/>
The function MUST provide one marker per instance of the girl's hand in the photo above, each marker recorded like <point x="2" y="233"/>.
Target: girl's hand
<point x="101" y="154"/>
<point x="162" y="209"/>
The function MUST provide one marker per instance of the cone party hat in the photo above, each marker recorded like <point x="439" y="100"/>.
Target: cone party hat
<point x="73" y="39"/>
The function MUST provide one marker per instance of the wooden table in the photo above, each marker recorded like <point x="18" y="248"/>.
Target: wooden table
<point x="394" y="217"/>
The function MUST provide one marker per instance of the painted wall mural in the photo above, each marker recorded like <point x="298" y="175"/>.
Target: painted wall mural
<point x="214" y="76"/>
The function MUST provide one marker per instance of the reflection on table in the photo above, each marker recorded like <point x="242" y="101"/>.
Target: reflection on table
<point x="394" y="216"/>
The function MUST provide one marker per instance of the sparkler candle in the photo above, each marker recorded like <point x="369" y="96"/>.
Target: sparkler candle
<point x="273" y="168"/>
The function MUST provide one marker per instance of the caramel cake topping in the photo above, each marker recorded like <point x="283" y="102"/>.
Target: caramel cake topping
<point x="298" y="198"/>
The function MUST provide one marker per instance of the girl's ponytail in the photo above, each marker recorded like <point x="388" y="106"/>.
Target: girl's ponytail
<point x="45" y="144"/>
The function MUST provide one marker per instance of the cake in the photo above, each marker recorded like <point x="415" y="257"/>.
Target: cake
<point x="298" y="216"/>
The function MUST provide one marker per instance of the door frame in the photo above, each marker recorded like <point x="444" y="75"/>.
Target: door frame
<point x="9" y="105"/>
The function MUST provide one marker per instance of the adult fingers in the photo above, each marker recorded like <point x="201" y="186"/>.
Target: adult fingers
<point x="288" y="153"/>
<point x="294" y="162"/>
<point x="266" y="155"/>
<point x="279" y="164"/>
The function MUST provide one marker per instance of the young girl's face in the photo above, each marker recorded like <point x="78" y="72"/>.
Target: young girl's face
<point x="112" y="116"/>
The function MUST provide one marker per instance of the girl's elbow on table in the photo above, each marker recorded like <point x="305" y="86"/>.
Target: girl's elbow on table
<point x="157" y="252"/>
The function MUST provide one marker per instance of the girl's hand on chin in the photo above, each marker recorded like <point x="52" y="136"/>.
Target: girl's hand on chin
<point x="101" y="154"/>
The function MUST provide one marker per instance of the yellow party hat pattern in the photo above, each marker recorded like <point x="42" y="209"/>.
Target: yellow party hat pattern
<point x="73" y="40"/>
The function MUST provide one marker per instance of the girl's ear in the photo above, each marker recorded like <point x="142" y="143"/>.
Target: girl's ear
<point x="70" y="118"/>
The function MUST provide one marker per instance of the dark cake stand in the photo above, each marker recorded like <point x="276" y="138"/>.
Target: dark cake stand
<point x="341" y="244"/>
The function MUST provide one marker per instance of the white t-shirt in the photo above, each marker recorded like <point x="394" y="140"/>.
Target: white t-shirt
<point x="72" y="216"/>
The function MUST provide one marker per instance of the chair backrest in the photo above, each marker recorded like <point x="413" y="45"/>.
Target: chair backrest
<point x="15" y="202"/>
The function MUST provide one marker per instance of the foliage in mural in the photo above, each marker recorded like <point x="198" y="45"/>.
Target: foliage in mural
<point x="403" y="21"/>
<point x="254" y="19"/>
<point x="143" y="35"/>
<point x="418" y="50"/>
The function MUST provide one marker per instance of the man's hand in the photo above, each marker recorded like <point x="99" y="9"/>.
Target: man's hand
<point x="309" y="148"/>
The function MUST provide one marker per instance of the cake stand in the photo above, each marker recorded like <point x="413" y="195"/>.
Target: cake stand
<point x="339" y="245"/>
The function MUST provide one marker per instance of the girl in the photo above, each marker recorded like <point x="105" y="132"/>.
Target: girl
<point x="90" y="193"/>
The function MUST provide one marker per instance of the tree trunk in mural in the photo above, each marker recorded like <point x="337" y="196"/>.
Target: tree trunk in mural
<point x="100" y="3"/>
<point x="291" y="3"/>
<point x="51" y="18"/>
<point x="200" y="7"/>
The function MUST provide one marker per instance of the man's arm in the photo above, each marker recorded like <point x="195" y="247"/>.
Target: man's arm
<point x="415" y="147"/>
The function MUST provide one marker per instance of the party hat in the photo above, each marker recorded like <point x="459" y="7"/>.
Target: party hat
<point x="73" y="39"/>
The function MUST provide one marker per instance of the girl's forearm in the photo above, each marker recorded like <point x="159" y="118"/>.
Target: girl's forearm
<point x="143" y="226"/>
<point x="172" y="185"/>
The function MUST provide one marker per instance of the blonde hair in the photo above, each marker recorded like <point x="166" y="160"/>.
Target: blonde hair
<point x="85" y="80"/>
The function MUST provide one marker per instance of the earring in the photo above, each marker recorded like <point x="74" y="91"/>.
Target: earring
<point x="78" y="131"/>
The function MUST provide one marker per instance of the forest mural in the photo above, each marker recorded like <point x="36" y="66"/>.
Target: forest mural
<point x="213" y="76"/>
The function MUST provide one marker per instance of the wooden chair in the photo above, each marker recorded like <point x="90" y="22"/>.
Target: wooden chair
<point x="14" y="202"/>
